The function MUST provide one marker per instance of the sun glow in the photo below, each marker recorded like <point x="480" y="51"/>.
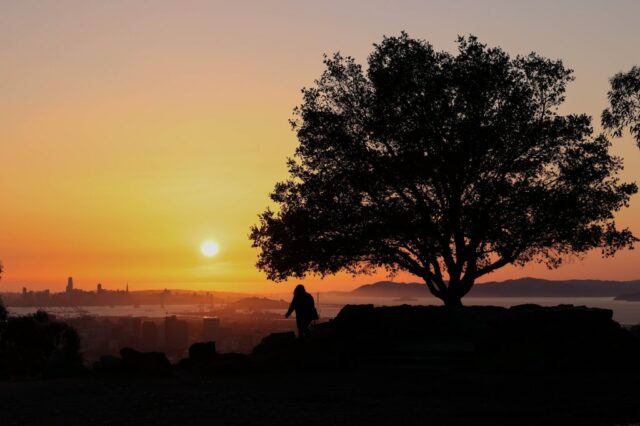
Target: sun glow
<point x="209" y="248"/>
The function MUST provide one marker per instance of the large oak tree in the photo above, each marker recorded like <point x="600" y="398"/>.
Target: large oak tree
<point x="624" y="104"/>
<point x="448" y="166"/>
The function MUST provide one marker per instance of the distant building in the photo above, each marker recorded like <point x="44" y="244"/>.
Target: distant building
<point x="69" y="289"/>
<point x="131" y="325"/>
<point x="149" y="336"/>
<point x="210" y="329"/>
<point x="99" y="288"/>
<point x="176" y="335"/>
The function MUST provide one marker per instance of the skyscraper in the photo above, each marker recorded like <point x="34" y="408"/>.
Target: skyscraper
<point x="210" y="329"/>
<point x="176" y="338"/>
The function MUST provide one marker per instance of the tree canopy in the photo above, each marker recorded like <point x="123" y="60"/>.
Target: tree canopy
<point x="447" y="166"/>
<point x="3" y="310"/>
<point x="624" y="104"/>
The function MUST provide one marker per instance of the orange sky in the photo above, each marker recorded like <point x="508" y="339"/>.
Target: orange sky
<point x="132" y="131"/>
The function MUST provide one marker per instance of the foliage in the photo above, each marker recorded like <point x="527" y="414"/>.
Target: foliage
<point x="3" y="312"/>
<point x="445" y="166"/>
<point x="36" y="345"/>
<point x="624" y="104"/>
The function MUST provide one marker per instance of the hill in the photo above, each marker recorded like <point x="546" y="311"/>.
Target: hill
<point x="629" y="297"/>
<point x="391" y="289"/>
<point x="523" y="287"/>
<point x="258" y="304"/>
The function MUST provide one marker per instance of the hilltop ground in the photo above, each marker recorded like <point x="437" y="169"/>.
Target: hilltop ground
<point x="367" y="397"/>
<point x="401" y="365"/>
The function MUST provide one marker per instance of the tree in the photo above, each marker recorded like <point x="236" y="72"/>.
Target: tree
<point x="624" y="104"/>
<point x="37" y="344"/>
<point x="3" y="310"/>
<point x="445" y="166"/>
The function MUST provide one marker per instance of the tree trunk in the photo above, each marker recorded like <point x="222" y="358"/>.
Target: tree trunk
<point x="451" y="300"/>
<point x="448" y="297"/>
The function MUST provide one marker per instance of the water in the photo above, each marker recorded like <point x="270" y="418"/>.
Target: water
<point x="149" y="311"/>
<point x="624" y="312"/>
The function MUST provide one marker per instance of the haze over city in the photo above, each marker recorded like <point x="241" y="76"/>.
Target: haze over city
<point x="139" y="141"/>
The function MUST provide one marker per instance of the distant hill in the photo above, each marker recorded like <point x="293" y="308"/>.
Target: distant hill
<point x="523" y="287"/>
<point x="535" y="287"/>
<point x="632" y="297"/>
<point x="259" y="304"/>
<point x="391" y="289"/>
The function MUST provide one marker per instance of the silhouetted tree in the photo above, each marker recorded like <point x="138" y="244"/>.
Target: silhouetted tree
<point x="3" y="310"/>
<point x="445" y="166"/>
<point x="37" y="344"/>
<point x="3" y="314"/>
<point x="624" y="104"/>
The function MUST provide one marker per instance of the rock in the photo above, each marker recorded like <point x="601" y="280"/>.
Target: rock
<point x="526" y="337"/>
<point x="232" y="363"/>
<point x="276" y="344"/>
<point x="149" y="364"/>
<point x="202" y="352"/>
<point x="108" y="364"/>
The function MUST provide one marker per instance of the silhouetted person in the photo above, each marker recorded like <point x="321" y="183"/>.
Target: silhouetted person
<point x="305" y="309"/>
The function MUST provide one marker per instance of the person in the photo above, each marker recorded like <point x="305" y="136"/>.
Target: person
<point x="304" y="306"/>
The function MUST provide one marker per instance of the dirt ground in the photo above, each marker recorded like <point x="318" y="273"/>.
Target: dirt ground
<point x="356" y="397"/>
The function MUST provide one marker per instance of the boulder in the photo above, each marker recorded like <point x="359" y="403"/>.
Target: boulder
<point x="526" y="337"/>
<point x="202" y="352"/>
<point x="108" y="364"/>
<point x="149" y="364"/>
<point x="276" y="344"/>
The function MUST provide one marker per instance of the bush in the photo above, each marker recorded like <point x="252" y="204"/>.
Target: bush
<point x="3" y="312"/>
<point x="38" y="345"/>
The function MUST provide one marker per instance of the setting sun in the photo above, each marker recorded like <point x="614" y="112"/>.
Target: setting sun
<point x="209" y="248"/>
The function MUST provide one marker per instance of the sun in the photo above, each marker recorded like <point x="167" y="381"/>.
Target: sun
<point x="209" y="248"/>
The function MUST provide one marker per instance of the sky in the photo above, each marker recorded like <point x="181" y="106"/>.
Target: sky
<point x="133" y="131"/>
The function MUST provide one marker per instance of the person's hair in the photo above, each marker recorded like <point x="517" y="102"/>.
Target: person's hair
<point x="299" y="289"/>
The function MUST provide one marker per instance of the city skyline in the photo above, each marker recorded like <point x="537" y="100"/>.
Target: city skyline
<point x="132" y="134"/>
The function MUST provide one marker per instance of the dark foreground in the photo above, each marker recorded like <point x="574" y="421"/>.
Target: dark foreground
<point x="403" y="365"/>
<point x="360" y="396"/>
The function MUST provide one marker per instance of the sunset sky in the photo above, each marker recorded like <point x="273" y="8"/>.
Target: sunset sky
<point x="133" y="131"/>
